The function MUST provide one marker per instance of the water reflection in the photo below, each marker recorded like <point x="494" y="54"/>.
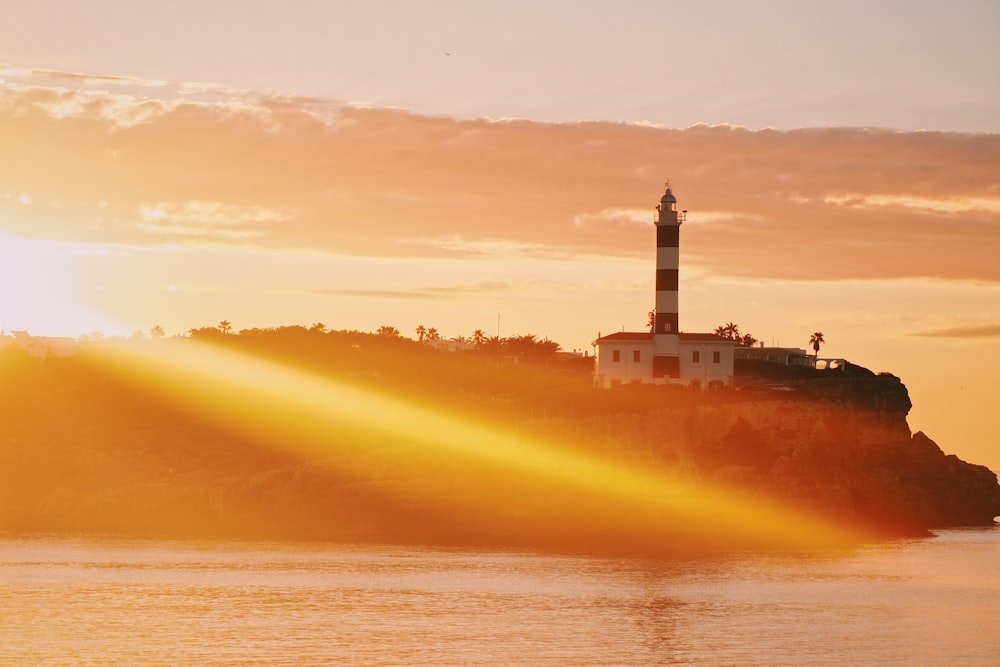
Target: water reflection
<point x="928" y="601"/>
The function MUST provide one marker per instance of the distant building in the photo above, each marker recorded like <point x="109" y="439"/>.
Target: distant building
<point x="665" y="355"/>
<point x="42" y="347"/>
<point x="786" y="356"/>
<point x="450" y="345"/>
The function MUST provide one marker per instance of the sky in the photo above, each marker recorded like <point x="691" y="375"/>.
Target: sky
<point x="495" y="166"/>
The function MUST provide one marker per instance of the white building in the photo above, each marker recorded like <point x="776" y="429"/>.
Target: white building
<point x="665" y="355"/>
<point x="627" y="356"/>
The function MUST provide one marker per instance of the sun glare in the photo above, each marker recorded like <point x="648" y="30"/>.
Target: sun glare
<point x="40" y="289"/>
<point x="460" y="467"/>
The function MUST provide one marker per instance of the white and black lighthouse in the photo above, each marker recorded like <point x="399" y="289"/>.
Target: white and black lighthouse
<point x="665" y="355"/>
<point x="666" y="338"/>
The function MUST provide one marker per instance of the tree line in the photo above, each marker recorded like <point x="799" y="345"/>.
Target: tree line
<point x="524" y="347"/>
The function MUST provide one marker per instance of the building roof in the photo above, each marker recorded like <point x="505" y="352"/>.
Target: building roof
<point x="647" y="336"/>
<point x="668" y="197"/>
<point x="626" y="335"/>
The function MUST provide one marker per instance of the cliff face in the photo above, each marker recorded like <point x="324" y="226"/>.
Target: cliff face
<point x="841" y="447"/>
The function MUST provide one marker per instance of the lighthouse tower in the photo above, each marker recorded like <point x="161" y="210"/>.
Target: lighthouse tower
<point x="665" y="355"/>
<point x="666" y="338"/>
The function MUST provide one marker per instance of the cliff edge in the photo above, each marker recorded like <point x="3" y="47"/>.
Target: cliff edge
<point x="837" y="443"/>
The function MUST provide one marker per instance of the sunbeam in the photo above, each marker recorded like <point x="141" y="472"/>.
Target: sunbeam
<point x="464" y="471"/>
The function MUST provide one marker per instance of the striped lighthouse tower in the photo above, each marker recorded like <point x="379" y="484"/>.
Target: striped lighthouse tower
<point x="666" y="339"/>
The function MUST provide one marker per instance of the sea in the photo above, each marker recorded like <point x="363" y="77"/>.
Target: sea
<point x="90" y="601"/>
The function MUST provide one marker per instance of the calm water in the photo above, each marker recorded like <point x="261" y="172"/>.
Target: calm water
<point x="85" y="602"/>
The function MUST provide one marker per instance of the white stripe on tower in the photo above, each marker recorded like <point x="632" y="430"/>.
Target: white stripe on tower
<point x="666" y="341"/>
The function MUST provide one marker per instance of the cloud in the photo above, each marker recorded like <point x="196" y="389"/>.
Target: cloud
<point x="291" y="173"/>
<point x="377" y="294"/>
<point x="614" y="217"/>
<point x="972" y="331"/>
<point x="917" y="203"/>
<point x="457" y="246"/>
<point x="43" y="74"/>
<point x="430" y="292"/>
<point x="205" y="219"/>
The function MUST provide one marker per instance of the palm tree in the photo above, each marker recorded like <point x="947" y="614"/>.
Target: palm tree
<point x="815" y="341"/>
<point x="421" y="333"/>
<point x="521" y="344"/>
<point x="319" y="326"/>
<point x="432" y="334"/>
<point x="225" y="326"/>
<point x="747" y="340"/>
<point x="386" y="330"/>
<point x="157" y="332"/>
<point x="478" y="338"/>
<point x="729" y="331"/>
<point x="531" y="348"/>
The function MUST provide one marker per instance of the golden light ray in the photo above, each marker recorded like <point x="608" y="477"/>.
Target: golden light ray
<point x="462" y="467"/>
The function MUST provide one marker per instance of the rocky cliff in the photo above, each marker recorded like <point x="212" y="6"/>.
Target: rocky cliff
<point x="839" y="444"/>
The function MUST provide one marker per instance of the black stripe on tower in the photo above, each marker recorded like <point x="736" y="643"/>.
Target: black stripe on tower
<point x="666" y="323"/>
<point x="668" y="236"/>
<point x="666" y="367"/>
<point x="666" y="280"/>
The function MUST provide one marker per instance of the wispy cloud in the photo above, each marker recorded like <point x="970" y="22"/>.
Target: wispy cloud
<point x="216" y="220"/>
<point x="287" y="172"/>
<point x="458" y="246"/>
<point x="41" y="74"/>
<point x="917" y="203"/>
<point x="430" y="292"/>
<point x="614" y="217"/>
<point x="377" y="293"/>
<point x="973" y="331"/>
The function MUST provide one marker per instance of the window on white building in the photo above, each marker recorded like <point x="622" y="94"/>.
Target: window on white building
<point x="635" y="356"/>
<point x="696" y="357"/>
<point x="716" y="357"/>
<point x="616" y="355"/>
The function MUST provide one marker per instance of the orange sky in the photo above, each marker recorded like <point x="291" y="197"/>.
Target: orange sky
<point x="127" y="202"/>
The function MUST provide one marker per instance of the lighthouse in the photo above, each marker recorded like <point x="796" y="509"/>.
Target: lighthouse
<point x="666" y="335"/>
<point x="664" y="355"/>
